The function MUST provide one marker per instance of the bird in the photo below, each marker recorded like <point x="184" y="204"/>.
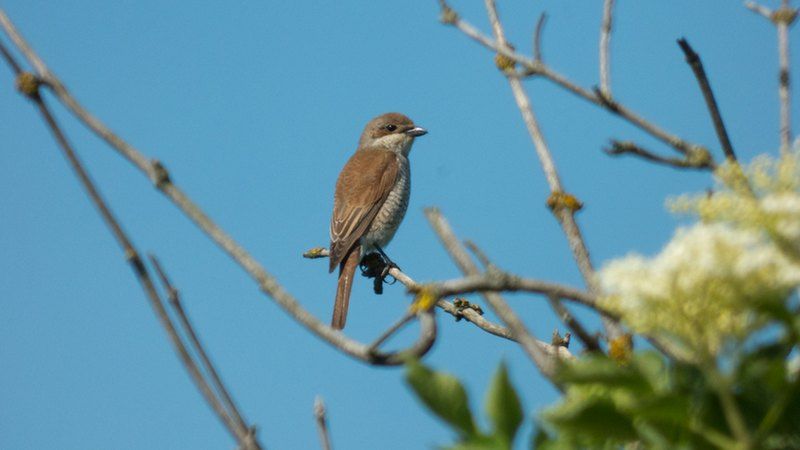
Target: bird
<point x="370" y="200"/>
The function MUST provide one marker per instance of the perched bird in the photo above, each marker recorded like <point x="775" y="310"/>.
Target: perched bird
<point x="370" y="200"/>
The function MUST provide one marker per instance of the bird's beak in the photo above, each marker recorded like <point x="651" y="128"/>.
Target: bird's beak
<point x="416" y="131"/>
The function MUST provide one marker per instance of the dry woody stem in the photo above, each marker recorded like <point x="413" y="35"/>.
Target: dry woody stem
<point x="535" y="67"/>
<point x="322" y="424"/>
<point x="546" y="361"/>
<point x="605" y="43"/>
<point x="565" y="216"/>
<point x="235" y="426"/>
<point x="783" y="18"/>
<point x="693" y="59"/>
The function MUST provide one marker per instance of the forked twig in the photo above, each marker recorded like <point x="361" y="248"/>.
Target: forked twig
<point x="173" y="295"/>
<point x="538" y="68"/>
<point x="241" y="433"/>
<point x="547" y="363"/>
<point x="565" y="216"/>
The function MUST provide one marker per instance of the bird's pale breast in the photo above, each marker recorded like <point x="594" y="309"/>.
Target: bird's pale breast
<point x="393" y="210"/>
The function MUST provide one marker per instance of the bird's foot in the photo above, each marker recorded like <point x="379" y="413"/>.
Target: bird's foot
<point x="377" y="266"/>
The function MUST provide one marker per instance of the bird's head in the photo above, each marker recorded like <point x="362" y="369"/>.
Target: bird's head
<point x="390" y="131"/>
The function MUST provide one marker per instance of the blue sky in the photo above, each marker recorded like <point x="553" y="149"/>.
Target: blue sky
<point x="254" y="107"/>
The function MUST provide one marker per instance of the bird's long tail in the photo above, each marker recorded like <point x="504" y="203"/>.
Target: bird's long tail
<point x="347" y="270"/>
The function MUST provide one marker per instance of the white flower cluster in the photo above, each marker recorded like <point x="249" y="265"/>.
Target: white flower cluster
<point x="703" y="288"/>
<point x="710" y="284"/>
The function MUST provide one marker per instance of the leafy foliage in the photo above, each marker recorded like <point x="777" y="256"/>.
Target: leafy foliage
<point x="444" y="395"/>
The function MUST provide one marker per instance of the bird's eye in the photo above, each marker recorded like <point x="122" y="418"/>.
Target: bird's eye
<point x="391" y="127"/>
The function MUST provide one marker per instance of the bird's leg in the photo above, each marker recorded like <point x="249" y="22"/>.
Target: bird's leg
<point x="372" y="265"/>
<point x="388" y="265"/>
<point x="377" y="266"/>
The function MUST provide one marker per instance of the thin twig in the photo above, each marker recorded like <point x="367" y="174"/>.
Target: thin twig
<point x="160" y="177"/>
<point x="538" y="68"/>
<point x="537" y="37"/>
<point x="10" y="60"/>
<point x="783" y="18"/>
<point x="142" y="274"/>
<point x="477" y="319"/>
<point x="173" y="295"/>
<point x="546" y="364"/>
<point x="565" y="216"/>
<point x="589" y="341"/>
<point x="391" y="331"/>
<point x="789" y="15"/>
<point x="471" y="316"/>
<point x="693" y="59"/>
<point x="760" y="10"/>
<point x="605" y="40"/>
<point x="322" y="423"/>
<point x="568" y="319"/>
<point x="700" y="159"/>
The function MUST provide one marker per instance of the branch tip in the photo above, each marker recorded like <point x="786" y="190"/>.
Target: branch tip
<point x="448" y="15"/>
<point x="316" y="252"/>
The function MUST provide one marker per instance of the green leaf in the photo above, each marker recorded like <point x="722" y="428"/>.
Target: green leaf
<point x="601" y="370"/>
<point x="594" y="419"/>
<point x="503" y="406"/>
<point x="444" y="395"/>
<point x="480" y="443"/>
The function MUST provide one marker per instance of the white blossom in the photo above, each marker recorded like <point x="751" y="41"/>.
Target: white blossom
<point x="704" y="288"/>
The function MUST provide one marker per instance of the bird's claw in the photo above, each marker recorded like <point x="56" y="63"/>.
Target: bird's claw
<point x="376" y="266"/>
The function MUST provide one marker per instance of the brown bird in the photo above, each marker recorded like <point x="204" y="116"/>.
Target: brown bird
<point x="370" y="200"/>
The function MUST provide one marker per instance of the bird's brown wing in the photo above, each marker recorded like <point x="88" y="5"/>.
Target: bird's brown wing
<point x="362" y="188"/>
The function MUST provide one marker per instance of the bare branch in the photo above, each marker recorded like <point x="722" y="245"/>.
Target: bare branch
<point x="546" y="364"/>
<point x="565" y="216"/>
<point x="322" y="425"/>
<point x="15" y="67"/>
<point x="537" y="37"/>
<point x="786" y="17"/>
<point x="240" y="434"/>
<point x="760" y="10"/>
<point x="158" y="174"/>
<point x="174" y="299"/>
<point x="605" y="40"/>
<point x="693" y="59"/>
<point x="391" y="331"/>
<point x="568" y="319"/>
<point x="699" y="159"/>
<point x="589" y="341"/>
<point x="537" y="67"/>
<point x="497" y="281"/>
<point x="783" y="18"/>
<point x="477" y="319"/>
